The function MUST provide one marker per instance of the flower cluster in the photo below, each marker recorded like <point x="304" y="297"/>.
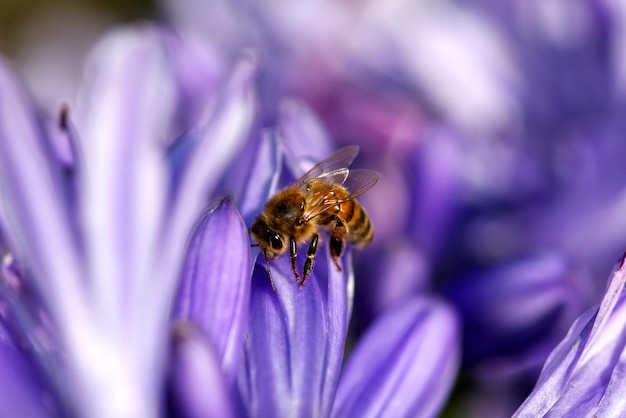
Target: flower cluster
<point x="110" y="300"/>
<point x="129" y="286"/>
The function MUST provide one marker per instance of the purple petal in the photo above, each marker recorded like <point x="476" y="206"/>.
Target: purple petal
<point x="125" y="106"/>
<point x="587" y="364"/>
<point x="304" y="134"/>
<point x="124" y="112"/>
<point x="295" y="339"/>
<point x="215" y="287"/>
<point x="27" y="322"/>
<point x="199" y="69"/>
<point x="224" y="135"/>
<point x="199" y="386"/>
<point x="405" y="365"/>
<point x="34" y="212"/>
<point x="218" y="143"/>
<point x="67" y="150"/>
<point x="21" y="389"/>
<point x="263" y="177"/>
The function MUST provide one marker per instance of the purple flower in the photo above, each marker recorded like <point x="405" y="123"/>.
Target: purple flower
<point x="117" y="287"/>
<point x="101" y="238"/>
<point x="293" y="339"/>
<point x="496" y="133"/>
<point x="584" y="375"/>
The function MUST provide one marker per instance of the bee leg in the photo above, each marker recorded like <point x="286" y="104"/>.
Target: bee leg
<point x="310" y="255"/>
<point x="269" y="271"/>
<point x="293" y="253"/>
<point x="336" y="250"/>
<point x="336" y="244"/>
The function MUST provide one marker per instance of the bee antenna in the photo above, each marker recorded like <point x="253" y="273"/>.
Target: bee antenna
<point x="269" y="271"/>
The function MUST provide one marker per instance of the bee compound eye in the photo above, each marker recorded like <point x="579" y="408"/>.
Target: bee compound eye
<point x="276" y="242"/>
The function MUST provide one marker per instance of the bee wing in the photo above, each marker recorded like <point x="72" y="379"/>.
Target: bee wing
<point x="333" y="169"/>
<point x="357" y="182"/>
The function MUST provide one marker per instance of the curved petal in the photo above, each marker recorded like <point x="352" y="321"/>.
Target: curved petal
<point x="124" y="110"/>
<point x="125" y="104"/>
<point x="404" y="366"/>
<point x="295" y="339"/>
<point x="34" y="210"/>
<point x="224" y="134"/>
<point x="217" y="143"/>
<point x="196" y="376"/>
<point x="215" y="287"/>
<point x="584" y="370"/>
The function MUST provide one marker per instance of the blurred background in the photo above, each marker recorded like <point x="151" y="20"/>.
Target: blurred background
<point x="48" y="40"/>
<point x="497" y="127"/>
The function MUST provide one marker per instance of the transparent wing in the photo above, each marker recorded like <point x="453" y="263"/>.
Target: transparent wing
<point x="357" y="182"/>
<point x="360" y="180"/>
<point x="333" y="169"/>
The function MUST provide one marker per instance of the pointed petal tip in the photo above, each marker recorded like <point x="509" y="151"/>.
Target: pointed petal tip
<point x="215" y="282"/>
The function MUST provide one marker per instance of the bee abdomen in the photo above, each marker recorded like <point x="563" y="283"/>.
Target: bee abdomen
<point x="360" y="227"/>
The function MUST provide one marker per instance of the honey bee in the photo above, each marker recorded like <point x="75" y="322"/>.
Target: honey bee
<point x="324" y="197"/>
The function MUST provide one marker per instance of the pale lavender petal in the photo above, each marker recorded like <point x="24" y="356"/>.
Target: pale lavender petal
<point x="123" y="114"/>
<point x="404" y="366"/>
<point x="34" y="209"/>
<point x="125" y="107"/>
<point x="199" y="387"/>
<point x="578" y="371"/>
<point x="217" y="144"/>
<point x="215" y="283"/>
<point x="198" y="68"/>
<point x="224" y="134"/>
<point x="295" y="339"/>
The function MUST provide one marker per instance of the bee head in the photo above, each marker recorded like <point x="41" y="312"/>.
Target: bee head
<point x="271" y="242"/>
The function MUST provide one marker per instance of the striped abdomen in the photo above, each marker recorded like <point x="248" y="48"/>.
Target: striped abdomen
<point x="358" y="227"/>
